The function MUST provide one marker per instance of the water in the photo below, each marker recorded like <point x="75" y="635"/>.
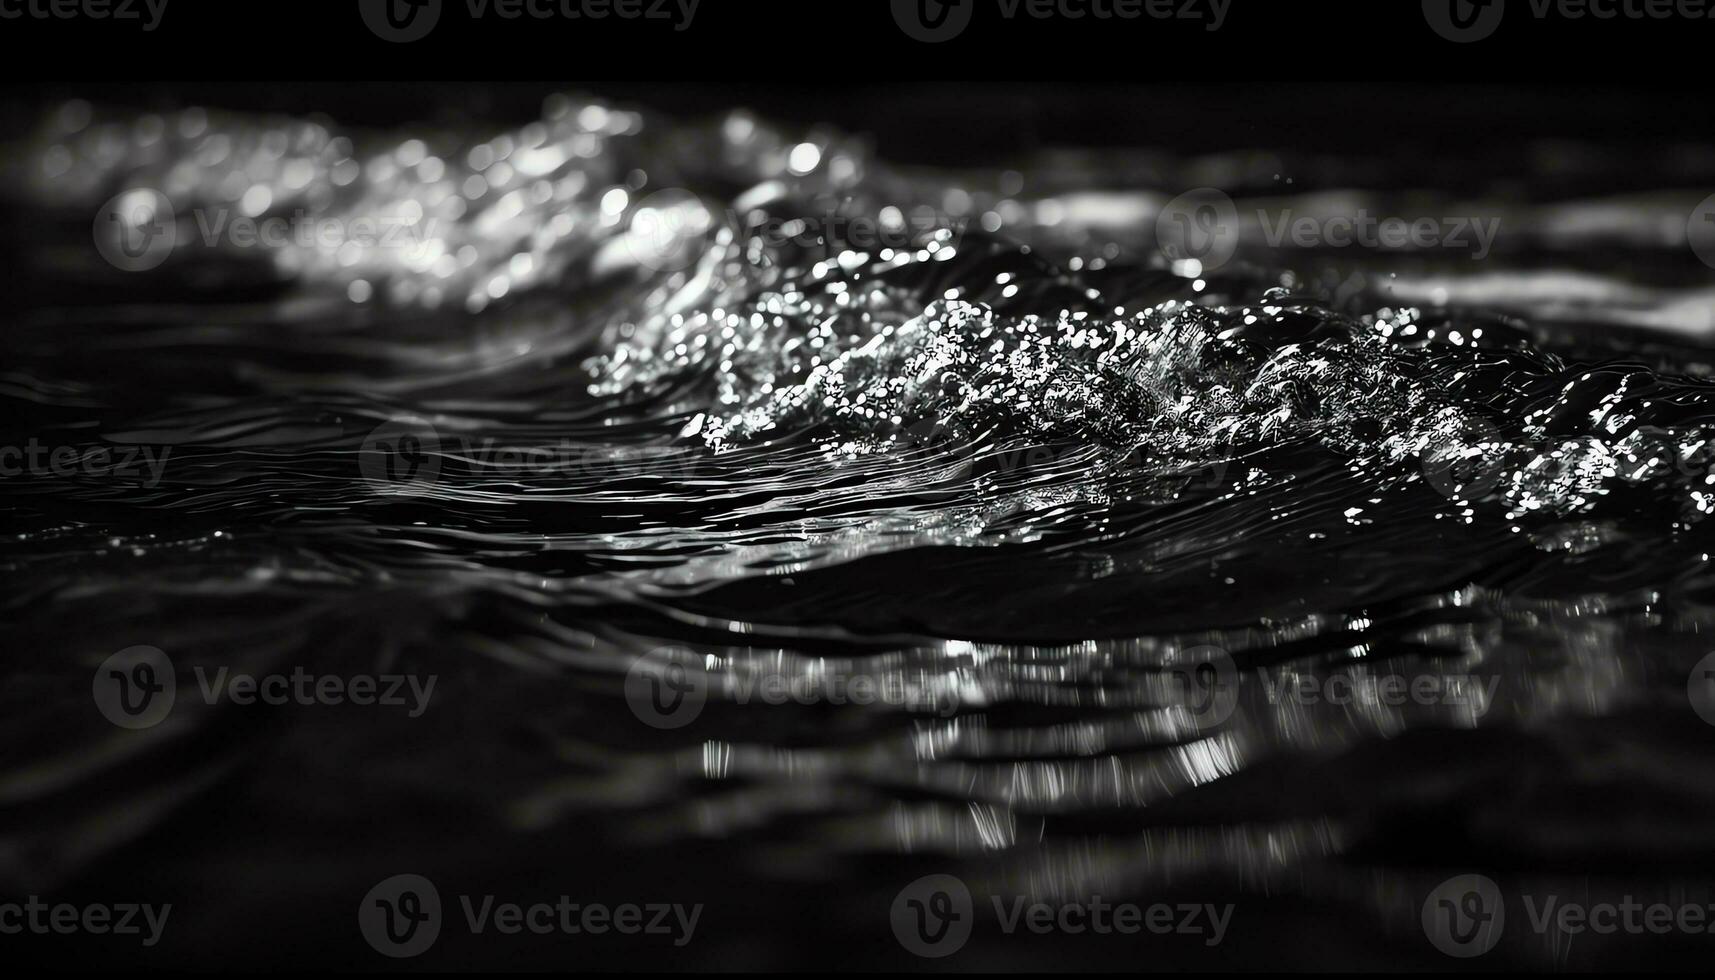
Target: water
<point x="941" y="494"/>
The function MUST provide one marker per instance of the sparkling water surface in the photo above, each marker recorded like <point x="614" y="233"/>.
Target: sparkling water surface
<point x="989" y="534"/>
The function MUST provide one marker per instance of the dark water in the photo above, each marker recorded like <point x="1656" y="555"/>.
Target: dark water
<point x="965" y="438"/>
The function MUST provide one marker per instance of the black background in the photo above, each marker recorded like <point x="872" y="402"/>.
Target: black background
<point x="1333" y="75"/>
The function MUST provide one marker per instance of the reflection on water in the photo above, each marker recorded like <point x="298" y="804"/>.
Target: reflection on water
<point x="782" y="525"/>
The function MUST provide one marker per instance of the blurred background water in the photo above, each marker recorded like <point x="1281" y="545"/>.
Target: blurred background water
<point x="1089" y="480"/>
